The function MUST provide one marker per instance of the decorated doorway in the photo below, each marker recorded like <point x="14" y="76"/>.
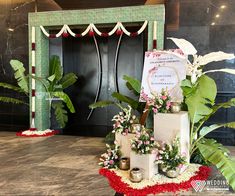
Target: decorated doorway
<point x="64" y="22"/>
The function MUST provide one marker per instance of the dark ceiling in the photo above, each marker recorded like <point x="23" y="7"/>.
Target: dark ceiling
<point x="85" y="4"/>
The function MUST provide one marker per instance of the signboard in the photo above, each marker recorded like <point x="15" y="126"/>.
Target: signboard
<point x="163" y="70"/>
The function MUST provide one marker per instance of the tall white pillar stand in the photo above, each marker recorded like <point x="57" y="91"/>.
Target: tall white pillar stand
<point x="168" y="126"/>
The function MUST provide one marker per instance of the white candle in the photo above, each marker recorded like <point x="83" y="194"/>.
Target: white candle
<point x="33" y="34"/>
<point x="33" y="104"/>
<point x="154" y="30"/>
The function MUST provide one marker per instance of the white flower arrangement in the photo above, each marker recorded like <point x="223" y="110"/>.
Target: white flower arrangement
<point x="144" y="142"/>
<point x="110" y="159"/>
<point x="123" y="121"/>
<point x="169" y="156"/>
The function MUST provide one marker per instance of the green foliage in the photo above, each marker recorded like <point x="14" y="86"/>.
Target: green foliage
<point x="22" y="82"/>
<point x="55" y="68"/>
<point x="216" y="154"/>
<point x="65" y="99"/>
<point x="12" y="100"/>
<point x="68" y="80"/>
<point x="197" y="157"/>
<point x="170" y="157"/>
<point x="200" y="97"/>
<point x="55" y="84"/>
<point x="19" y="69"/>
<point x="101" y="104"/>
<point x="125" y="99"/>
<point x="110" y="138"/>
<point x="132" y="83"/>
<point x="11" y="87"/>
<point x="205" y="130"/>
<point x="60" y="113"/>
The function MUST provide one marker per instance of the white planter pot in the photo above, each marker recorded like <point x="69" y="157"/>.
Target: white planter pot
<point x="125" y="143"/>
<point x="144" y="162"/>
<point x="168" y="126"/>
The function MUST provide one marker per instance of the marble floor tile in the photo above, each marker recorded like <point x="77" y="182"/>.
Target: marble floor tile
<point x="58" y="165"/>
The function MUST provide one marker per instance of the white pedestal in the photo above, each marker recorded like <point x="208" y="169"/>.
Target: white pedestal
<point x="168" y="126"/>
<point x="125" y="143"/>
<point x="144" y="162"/>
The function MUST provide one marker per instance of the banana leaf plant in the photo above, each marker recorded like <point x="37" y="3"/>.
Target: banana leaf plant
<point x="133" y="85"/>
<point x="22" y="86"/>
<point x="200" y="92"/>
<point x="54" y="85"/>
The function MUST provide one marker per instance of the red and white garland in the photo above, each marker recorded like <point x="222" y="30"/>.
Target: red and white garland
<point x="32" y="131"/>
<point x="35" y="133"/>
<point x="33" y="103"/>
<point x="92" y="29"/>
<point x="120" y="186"/>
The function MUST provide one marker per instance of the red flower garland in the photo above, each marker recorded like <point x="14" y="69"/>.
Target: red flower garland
<point x="53" y="132"/>
<point x="121" y="187"/>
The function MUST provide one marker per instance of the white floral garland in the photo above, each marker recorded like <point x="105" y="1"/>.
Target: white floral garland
<point x="92" y="27"/>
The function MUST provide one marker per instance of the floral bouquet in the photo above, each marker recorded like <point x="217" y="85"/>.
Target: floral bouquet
<point x="110" y="159"/>
<point x="169" y="156"/>
<point x="160" y="103"/>
<point x="144" y="142"/>
<point x="123" y="121"/>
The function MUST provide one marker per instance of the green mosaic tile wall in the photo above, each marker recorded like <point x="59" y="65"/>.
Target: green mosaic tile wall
<point x="83" y="17"/>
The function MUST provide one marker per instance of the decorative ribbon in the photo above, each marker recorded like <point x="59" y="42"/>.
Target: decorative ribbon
<point x="91" y="29"/>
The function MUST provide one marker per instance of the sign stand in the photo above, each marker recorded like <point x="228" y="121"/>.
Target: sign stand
<point x="146" y="109"/>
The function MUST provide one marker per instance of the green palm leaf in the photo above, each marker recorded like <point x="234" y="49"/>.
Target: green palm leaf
<point x="216" y="154"/>
<point x="12" y="100"/>
<point x="68" y="80"/>
<point x="19" y="69"/>
<point x="60" y="113"/>
<point x="12" y="87"/>
<point x="65" y="99"/>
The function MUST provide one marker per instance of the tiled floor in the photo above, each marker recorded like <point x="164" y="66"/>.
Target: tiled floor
<point x="58" y="165"/>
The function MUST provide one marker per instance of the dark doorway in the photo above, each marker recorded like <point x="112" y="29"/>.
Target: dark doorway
<point x="93" y="61"/>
